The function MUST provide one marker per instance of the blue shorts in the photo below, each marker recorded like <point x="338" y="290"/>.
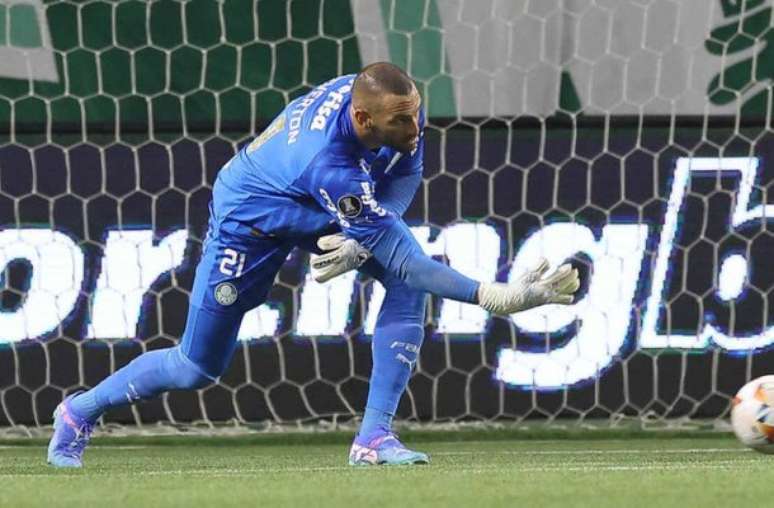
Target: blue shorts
<point x="235" y="273"/>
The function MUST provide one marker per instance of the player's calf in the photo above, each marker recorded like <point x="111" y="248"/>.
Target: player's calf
<point x="143" y="378"/>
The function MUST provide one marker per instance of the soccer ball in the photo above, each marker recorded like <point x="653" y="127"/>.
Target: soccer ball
<point x="752" y="414"/>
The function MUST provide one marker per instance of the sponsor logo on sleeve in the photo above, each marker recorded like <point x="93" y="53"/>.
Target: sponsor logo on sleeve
<point x="370" y="201"/>
<point x="332" y="207"/>
<point x="350" y="206"/>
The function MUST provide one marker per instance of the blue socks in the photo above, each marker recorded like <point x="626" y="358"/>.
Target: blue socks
<point x="375" y="422"/>
<point x="144" y="377"/>
<point x="395" y="348"/>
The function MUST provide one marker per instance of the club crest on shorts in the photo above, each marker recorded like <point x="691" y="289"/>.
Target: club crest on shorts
<point x="225" y="293"/>
<point x="349" y="205"/>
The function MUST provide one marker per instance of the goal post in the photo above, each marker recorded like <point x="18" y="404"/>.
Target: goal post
<point x="633" y="138"/>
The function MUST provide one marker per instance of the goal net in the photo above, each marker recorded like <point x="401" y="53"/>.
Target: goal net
<point x="631" y="137"/>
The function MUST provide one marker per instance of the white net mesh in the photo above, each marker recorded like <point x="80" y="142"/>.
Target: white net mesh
<point x="632" y="137"/>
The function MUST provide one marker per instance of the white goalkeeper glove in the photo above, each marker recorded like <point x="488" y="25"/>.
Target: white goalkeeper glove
<point x="342" y="255"/>
<point x="530" y="290"/>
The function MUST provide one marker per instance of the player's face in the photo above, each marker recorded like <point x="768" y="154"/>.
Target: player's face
<point x="396" y="122"/>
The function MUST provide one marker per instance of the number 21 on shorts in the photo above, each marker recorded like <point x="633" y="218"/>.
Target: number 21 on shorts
<point x="233" y="263"/>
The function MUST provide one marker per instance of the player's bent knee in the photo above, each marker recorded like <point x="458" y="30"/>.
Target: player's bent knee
<point x="186" y="374"/>
<point x="192" y="380"/>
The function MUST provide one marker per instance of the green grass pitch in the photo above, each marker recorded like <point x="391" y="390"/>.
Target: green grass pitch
<point x="312" y="472"/>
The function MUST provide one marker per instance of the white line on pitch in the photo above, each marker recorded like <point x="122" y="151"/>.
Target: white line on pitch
<point x="594" y="452"/>
<point x="586" y="467"/>
<point x="92" y="447"/>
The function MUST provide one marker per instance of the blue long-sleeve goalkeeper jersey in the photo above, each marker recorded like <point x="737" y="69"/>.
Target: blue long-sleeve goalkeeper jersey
<point x="308" y="168"/>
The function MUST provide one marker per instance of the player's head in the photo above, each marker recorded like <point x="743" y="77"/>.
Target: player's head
<point x="385" y="107"/>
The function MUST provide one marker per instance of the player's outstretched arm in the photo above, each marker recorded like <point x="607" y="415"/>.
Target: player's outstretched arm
<point x="532" y="289"/>
<point x="398" y="250"/>
<point x="348" y="195"/>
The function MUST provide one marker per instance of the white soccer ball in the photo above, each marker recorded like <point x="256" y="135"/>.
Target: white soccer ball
<point x="752" y="414"/>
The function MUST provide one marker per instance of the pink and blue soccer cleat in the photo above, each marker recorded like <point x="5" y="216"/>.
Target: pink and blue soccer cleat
<point x="71" y="435"/>
<point x="383" y="449"/>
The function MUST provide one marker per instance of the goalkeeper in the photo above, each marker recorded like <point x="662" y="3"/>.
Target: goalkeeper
<point x="345" y="158"/>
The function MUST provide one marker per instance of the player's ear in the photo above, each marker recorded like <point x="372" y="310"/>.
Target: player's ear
<point x="363" y="118"/>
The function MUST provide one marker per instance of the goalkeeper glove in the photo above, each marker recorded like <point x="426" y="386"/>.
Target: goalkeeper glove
<point x="530" y="290"/>
<point x="342" y="255"/>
